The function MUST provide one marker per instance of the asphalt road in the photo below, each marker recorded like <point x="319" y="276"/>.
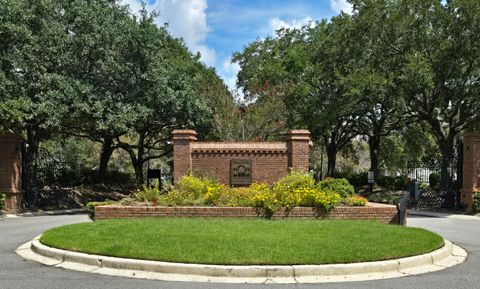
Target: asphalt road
<point x="16" y="273"/>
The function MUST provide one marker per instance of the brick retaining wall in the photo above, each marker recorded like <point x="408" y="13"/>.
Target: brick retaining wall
<point x="383" y="213"/>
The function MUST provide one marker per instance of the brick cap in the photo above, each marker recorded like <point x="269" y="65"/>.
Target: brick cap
<point x="184" y="134"/>
<point x="240" y="147"/>
<point x="298" y="134"/>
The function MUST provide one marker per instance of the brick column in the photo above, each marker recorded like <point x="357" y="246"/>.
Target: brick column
<point x="182" y="155"/>
<point x="298" y="145"/>
<point x="471" y="168"/>
<point x="11" y="172"/>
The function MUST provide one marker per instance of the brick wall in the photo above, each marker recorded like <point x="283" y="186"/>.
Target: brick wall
<point x="471" y="168"/>
<point x="11" y="171"/>
<point x="270" y="160"/>
<point x="380" y="212"/>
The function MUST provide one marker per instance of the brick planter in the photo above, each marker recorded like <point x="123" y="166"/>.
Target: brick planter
<point x="384" y="213"/>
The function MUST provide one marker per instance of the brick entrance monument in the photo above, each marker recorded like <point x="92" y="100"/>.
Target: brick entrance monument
<point x="471" y="168"/>
<point x="240" y="163"/>
<point x="11" y="171"/>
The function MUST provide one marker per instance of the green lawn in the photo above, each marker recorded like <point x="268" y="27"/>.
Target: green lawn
<point x="244" y="241"/>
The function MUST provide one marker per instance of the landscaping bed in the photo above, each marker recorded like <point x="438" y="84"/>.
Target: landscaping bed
<point x="244" y="241"/>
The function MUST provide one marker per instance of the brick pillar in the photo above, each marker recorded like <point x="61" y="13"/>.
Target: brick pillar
<point x="182" y="156"/>
<point x="471" y="168"/>
<point x="11" y="172"/>
<point x="298" y="145"/>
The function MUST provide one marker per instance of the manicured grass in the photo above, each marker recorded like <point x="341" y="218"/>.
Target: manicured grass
<point x="244" y="241"/>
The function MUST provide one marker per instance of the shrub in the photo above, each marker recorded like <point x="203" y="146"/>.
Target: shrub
<point x="194" y="185"/>
<point x="313" y="197"/>
<point x="393" y="183"/>
<point x="147" y="194"/>
<point x="340" y="186"/>
<point x="286" y="189"/>
<point x="296" y="179"/>
<point x="434" y="180"/>
<point x="357" y="180"/>
<point x="355" y="201"/>
<point x="2" y="201"/>
<point x="476" y="202"/>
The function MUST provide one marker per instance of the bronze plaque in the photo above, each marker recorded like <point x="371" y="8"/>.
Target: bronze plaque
<point x="241" y="172"/>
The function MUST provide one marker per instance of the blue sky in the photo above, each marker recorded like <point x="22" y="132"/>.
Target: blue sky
<point x="218" y="28"/>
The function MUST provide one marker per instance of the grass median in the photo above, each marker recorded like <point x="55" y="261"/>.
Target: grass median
<point x="244" y="241"/>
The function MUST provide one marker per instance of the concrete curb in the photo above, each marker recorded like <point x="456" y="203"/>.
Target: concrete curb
<point x="443" y="215"/>
<point x="49" y="213"/>
<point x="447" y="256"/>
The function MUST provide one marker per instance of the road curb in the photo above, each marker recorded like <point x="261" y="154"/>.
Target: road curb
<point x="447" y="256"/>
<point x="443" y="215"/>
<point x="49" y="213"/>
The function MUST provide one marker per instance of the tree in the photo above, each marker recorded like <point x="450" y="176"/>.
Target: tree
<point x="309" y="67"/>
<point x="164" y="79"/>
<point x="440" y="74"/>
<point x="372" y="77"/>
<point x="32" y="61"/>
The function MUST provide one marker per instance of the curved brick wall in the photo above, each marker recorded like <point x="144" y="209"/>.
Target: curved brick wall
<point x="384" y="213"/>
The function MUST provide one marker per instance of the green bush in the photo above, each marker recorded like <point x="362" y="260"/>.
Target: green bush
<point x="476" y="202"/>
<point x="393" y="183"/>
<point x="434" y="180"/>
<point x="357" y="180"/>
<point x="295" y="189"/>
<point x="147" y="194"/>
<point x="2" y="201"/>
<point x="195" y="186"/>
<point x="340" y="186"/>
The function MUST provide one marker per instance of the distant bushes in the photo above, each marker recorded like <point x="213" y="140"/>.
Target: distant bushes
<point x="360" y="179"/>
<point x="66" y="177"/>
<point x="2" y="201"/>
<point x="476" y="202"/>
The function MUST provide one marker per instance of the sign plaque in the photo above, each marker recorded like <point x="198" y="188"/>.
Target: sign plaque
<point x="371" y="177"/>
<point x="240" y="172"/>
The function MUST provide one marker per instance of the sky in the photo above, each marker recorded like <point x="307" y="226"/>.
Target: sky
<point x="218" y="28"/>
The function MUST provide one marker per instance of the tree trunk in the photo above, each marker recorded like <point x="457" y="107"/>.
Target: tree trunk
<point x="332" y="159"/>
<point x="138" y="167"/>
<point x="107" y="150"/>
<point x="30" y="160"/>
<point x="446" y="149"/>
<point x="374" y="146"/>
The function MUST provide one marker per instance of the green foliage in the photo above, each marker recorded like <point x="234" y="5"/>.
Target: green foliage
<point x="357" y="180"/>
<point x="355" y="201"/>
<point x="147" y="194"/>
<point x="340" y="186"/>
<point x="295" y="189"/>
<point x="434" y="180"/>
<point x="476" y="203"/>
<point x="2" y="201"/>
<point x="393" y="183"/>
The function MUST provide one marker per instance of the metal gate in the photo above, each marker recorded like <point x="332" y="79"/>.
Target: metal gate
<point x="432" y="198"/>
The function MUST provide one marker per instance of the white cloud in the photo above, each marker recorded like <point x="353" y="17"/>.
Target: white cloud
<point x="229" y="72"/>
<point x="341" y="5"/>
<point x="277" y="23"/>
<point x="186" y="19"/>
